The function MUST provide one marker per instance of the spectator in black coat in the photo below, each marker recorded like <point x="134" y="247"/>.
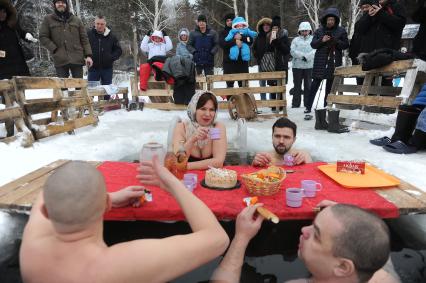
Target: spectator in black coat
<point x="106" y="49"/>
<point x="329" y="40"/>
<point x="357" y="37"/>
<point x="229" y="66"/>
<point x="260" y="45"/>
<point x="382" y="26"/>
<point x="12" y="62"/>
<point x="419" y="44"/>
<point x="277" y="42"/>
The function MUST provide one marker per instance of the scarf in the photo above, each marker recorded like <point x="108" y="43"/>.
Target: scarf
<point x="192" y="125"/>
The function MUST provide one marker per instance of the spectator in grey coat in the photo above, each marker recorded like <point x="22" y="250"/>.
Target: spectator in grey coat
<point x="181" y="49"/>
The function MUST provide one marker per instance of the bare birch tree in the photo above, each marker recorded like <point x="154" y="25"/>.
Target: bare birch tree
<point x="354" y="13"/>
<point x="156" y="18"/>
<point x="246" y="9"/>
<point x="312" y="8"/>
<point x="233" y="6"/>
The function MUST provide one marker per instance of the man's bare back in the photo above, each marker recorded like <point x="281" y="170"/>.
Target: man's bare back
<point x="53" y="253"/>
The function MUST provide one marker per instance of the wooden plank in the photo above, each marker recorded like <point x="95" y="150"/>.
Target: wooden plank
<point x="241" y="90"/>
<point x="10" y="113"/>
<point x="246" y="76"/>
<point x="66" y="127"/>
<point x="48" y="106"/>
<point x="25" y="180"/>
<point x="102" y="92"/>
<point x="367" y="84"/>
<point x="395" y="68"/>
<point x="48" y="83"/>
<point x="383" y="101"/>
<point x="156" y="92"/>
<point x="27" y="188"/>
<point x="381" y="90"/>
<point x="6" y="85"/>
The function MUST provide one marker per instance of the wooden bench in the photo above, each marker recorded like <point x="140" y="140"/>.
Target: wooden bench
<point x="20" y="194"/>
<point x="377" y="95"/>
<point x="13" y="115"/>
<point x="72" y="106"/>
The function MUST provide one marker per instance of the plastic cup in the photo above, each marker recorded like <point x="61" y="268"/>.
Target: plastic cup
<point x="189" y="184"/>
<point x="214" y="133"/>
<point x="310" y="188"/>
<point x="294" y="197"/>
<point x="288" y="160"/>
<point x="191" y="176"/>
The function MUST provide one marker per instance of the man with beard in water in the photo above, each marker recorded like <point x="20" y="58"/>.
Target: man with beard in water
<point x="283" y="138"/>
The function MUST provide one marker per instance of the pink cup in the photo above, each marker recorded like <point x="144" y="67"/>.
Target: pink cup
<point x="191" y="176"/>
<point x="189" y="184"/>
<point x="214" y="133"/>
<point x="310" y="188"/>
<point x="294" y="197"/>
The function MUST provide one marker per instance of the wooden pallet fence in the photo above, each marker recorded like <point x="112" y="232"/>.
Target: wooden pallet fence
<point x="246" y="78"/>
<point x="370" y="94"/>
<point x="208" y="82"/>
<point x="13" y="116"/>
<point x="102" y="104"/>
<point x="72" y="105"/>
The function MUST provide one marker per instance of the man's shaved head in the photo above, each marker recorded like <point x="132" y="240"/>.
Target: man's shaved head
<point x="365" y="239"/>
<point x="75" y="196"/>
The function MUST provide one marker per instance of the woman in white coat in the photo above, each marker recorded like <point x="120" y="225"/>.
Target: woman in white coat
<point x="303" y="60"/>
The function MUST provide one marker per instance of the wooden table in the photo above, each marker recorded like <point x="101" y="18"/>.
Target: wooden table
<point x="19" y="195"/>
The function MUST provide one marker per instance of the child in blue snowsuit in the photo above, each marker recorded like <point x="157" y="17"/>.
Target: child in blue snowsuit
<point x="239" y="25"/>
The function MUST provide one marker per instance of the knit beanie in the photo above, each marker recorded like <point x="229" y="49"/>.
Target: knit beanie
<point x="276" y="22"/>
<point x="65" y="1"/>
<point x="202" y="18"/>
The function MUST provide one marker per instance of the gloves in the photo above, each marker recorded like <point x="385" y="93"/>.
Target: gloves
<point x="29" y="37"/>
<point x="304" y="59"/>
<point x="164" y="32"/>
<point x="149" y="33"/>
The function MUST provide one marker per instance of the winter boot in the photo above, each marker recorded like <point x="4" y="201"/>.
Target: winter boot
<point x="320" y="120"/>
<point x="419" y="139"/>
<point x="333" y="123"/>
<point x="405" y="123"/>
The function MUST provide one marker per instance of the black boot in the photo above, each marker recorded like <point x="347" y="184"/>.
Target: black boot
<point x="419" y="139"/>
<point x="320" y="119"/>
<point x="333" y="123"/>
<point x="405" y="123"/>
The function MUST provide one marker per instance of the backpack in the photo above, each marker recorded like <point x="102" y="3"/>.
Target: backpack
<point x="242" y="106"/>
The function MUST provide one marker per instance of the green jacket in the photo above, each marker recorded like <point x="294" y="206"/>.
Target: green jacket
<point x="67" y="41"/>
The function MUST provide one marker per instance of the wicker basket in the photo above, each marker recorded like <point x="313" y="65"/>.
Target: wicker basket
<point x="260" y="187"/>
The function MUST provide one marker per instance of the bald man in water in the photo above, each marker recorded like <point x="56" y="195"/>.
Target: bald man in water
<point x="63" y="240"/>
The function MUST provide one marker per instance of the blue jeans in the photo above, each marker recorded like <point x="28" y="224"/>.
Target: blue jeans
<point x="103" y="75"/>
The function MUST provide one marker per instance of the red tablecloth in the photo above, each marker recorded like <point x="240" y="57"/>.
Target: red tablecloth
<point x="227" y="204"/>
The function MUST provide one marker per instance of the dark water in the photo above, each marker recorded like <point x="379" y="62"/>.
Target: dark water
<point x="270" y="257"/>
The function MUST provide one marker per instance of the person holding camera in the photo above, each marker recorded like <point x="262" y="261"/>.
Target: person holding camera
<point x="329" y="40"/>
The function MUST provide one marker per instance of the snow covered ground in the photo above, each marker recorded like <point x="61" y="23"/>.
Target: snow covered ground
<point x="121" y="133"/>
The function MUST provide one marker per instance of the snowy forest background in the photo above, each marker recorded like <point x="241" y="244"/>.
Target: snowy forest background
<point x="131" y="19"/>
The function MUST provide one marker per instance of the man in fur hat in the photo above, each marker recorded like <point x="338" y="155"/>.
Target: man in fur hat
<point x="64" y="35"/>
